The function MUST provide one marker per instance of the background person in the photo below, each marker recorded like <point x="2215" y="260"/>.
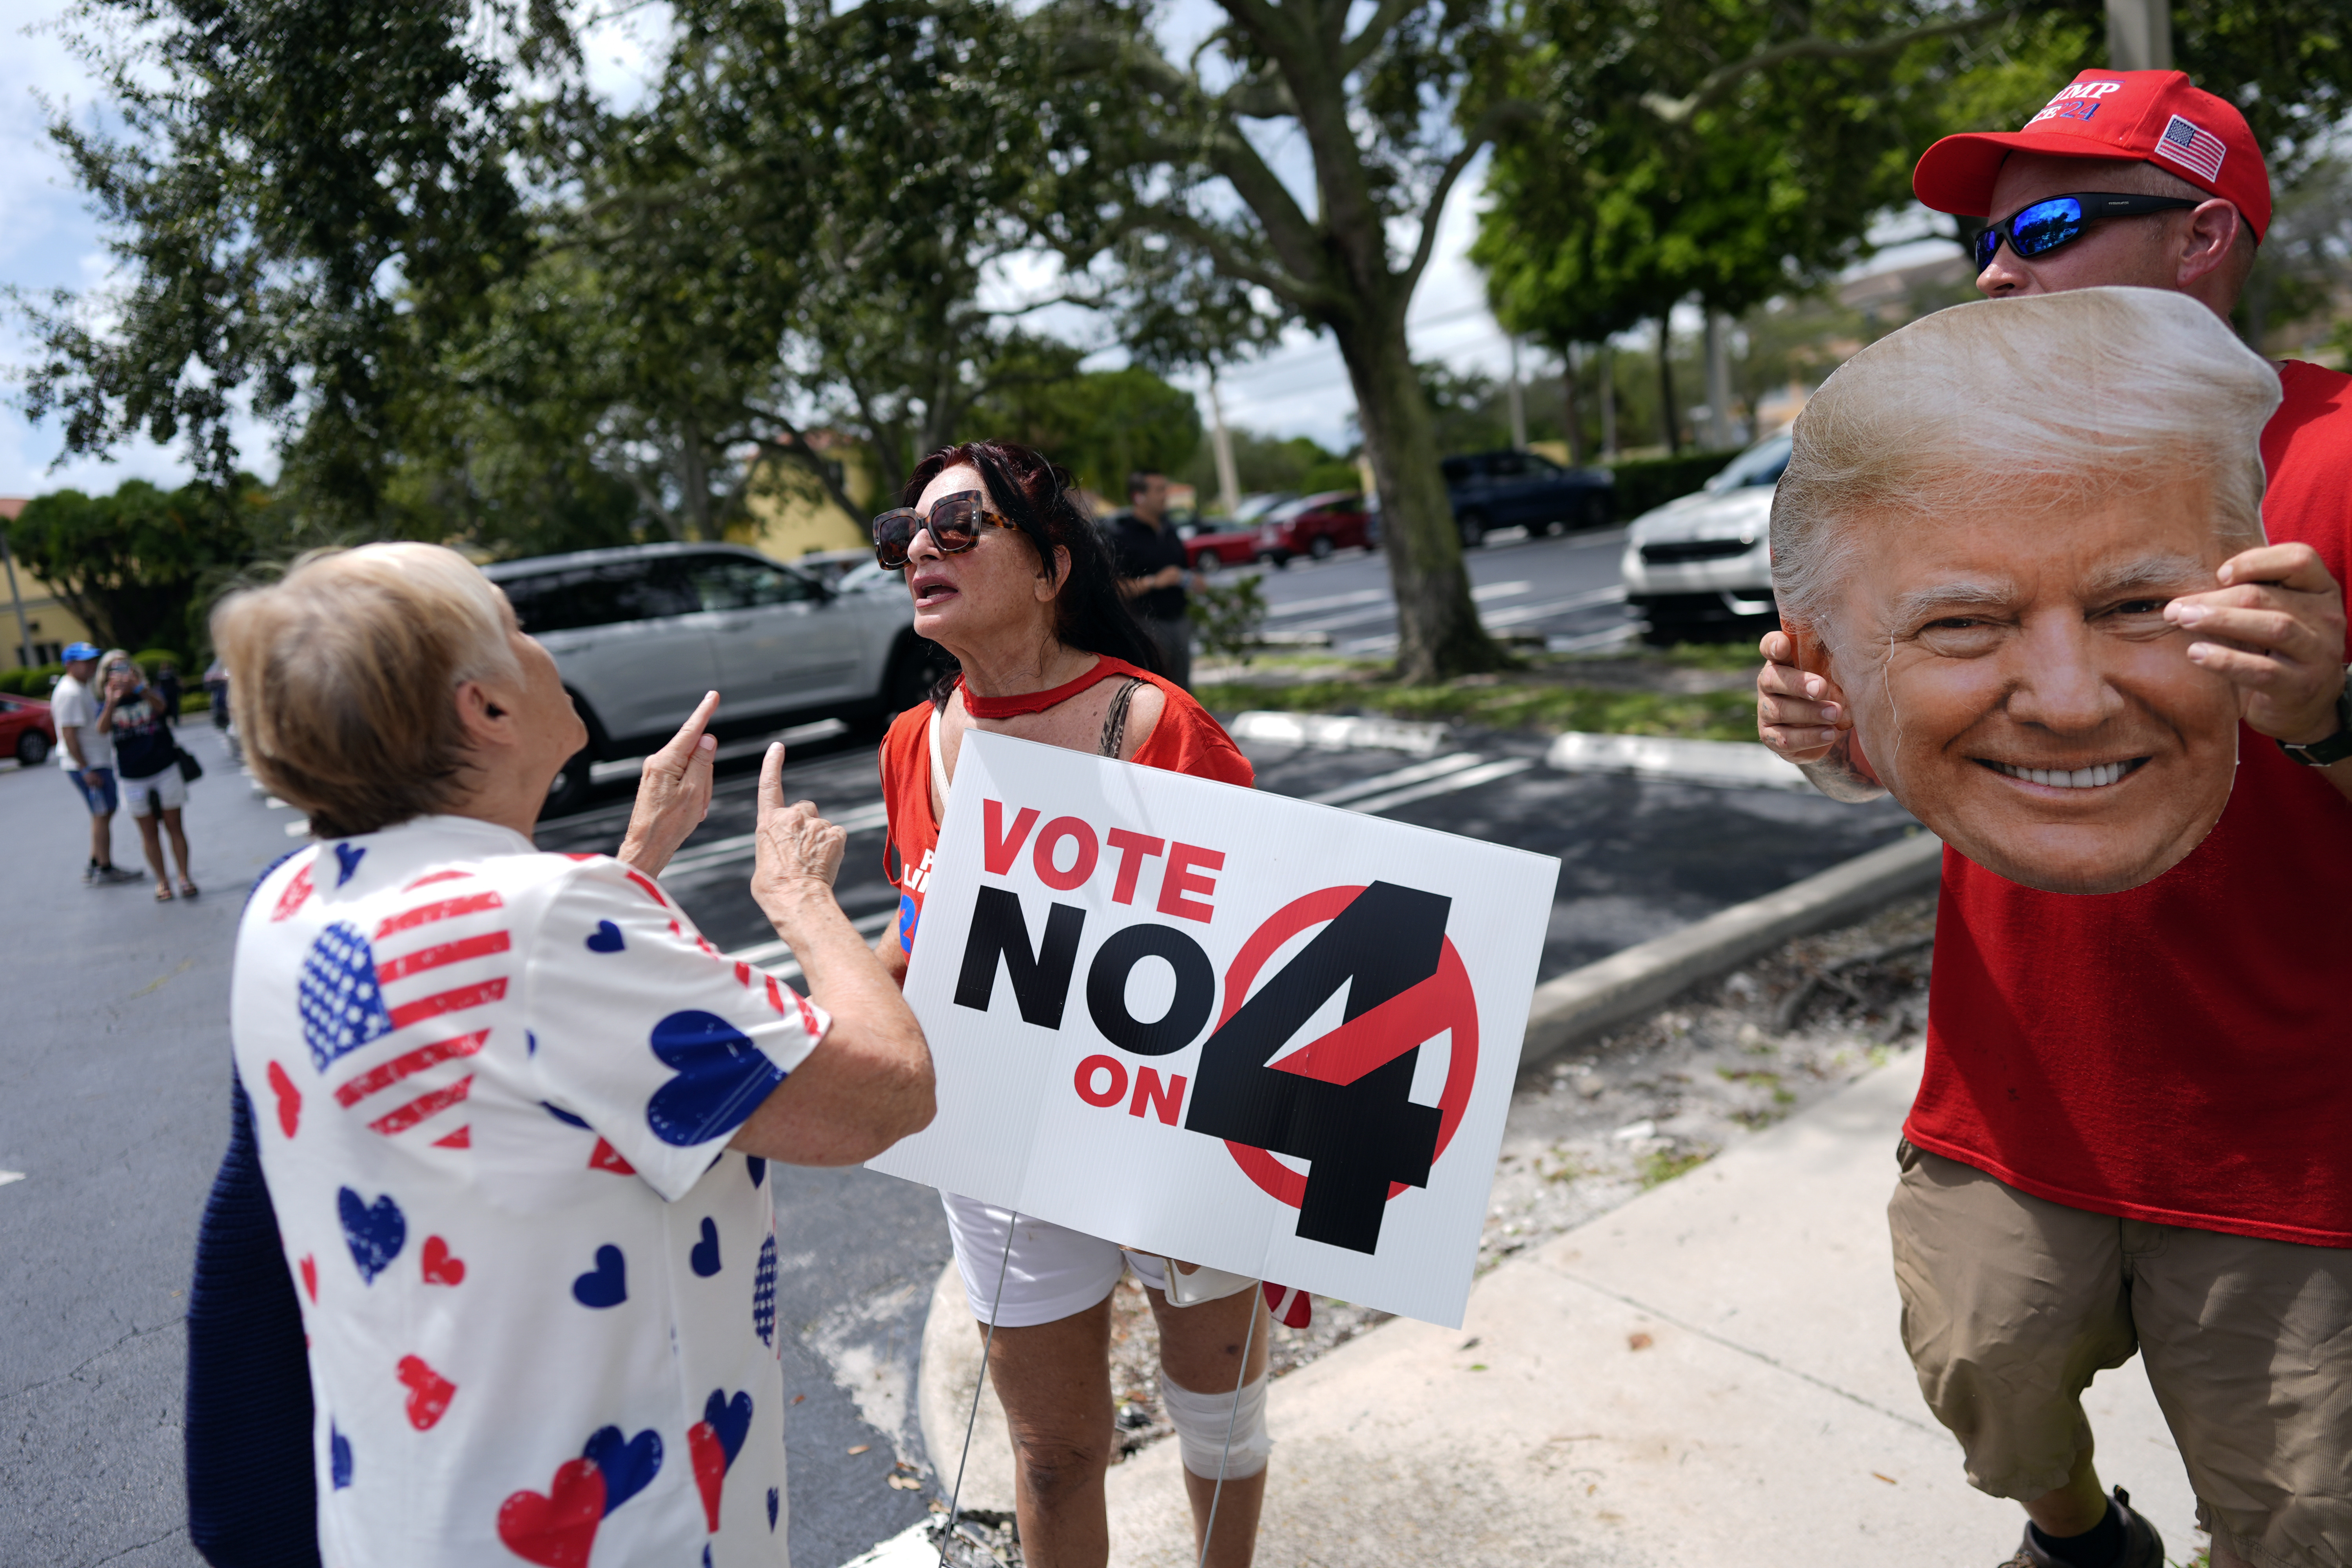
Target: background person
<point x="2128" y="1132"/>
<point x="1154" y="572"/>
<point x="514" y="1110"/>
<point x="147" y="769"/>
<point x="1010" y="577"/>
<point x="168" y="686"/>
<point x="86" y="752"/>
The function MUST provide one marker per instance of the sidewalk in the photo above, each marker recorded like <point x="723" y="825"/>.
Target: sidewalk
<point x="1768" y="1419"/>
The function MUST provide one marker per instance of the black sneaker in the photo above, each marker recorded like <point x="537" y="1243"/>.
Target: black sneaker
<point x="2143" y="1548"/>
<point x="111" y="877"/>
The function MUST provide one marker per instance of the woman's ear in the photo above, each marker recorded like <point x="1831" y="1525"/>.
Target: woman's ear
<point x="1050" y="588"/>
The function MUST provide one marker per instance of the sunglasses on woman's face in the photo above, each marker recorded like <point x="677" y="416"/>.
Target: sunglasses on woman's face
<point x="955" y="522"/>
<point x="2045" y="226"/>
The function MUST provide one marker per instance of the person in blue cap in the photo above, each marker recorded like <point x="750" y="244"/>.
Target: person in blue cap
<point x="86" y="752"/>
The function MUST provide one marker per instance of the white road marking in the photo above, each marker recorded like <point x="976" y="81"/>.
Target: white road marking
<point x="1468" y="778"/>
<point x="8" y="1177"/>
<point x="1517" y="614"/>
<point x="742" y="846"/>
<point x="1419" y="773"/>
<point x="1329" y="602"/>
<point x="765" y="953"/>
<point x="1499" y="591"/>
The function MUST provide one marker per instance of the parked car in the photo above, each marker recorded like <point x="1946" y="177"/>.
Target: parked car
<point x="26" y="732"/>
<point x="1701" y="566"/>
<point x="1213" y="545"/>
<point x="639" y="633"/>
<point x="1510" y="488"/>
<point x="1314" y="525"/>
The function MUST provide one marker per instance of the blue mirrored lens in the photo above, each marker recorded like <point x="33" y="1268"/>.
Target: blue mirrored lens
<point x="2045" y="226"/>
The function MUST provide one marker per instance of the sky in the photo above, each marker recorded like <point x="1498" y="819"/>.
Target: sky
<point x="49" y="238"/>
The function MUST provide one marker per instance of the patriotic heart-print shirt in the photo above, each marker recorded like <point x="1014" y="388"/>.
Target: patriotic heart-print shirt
<point x="493" y="1091"/>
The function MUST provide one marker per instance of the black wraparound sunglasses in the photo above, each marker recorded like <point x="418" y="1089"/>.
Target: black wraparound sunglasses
<point x="2039" y="229"/>
<point x="955" y="522"/>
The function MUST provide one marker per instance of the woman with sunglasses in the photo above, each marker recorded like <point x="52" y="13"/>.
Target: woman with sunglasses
<point x="1011" y="577"/>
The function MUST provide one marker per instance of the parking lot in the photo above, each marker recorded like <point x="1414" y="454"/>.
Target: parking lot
<point x="113" y="1094"/>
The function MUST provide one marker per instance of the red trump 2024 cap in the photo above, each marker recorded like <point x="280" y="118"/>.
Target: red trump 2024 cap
<point x="2142" y="117"/>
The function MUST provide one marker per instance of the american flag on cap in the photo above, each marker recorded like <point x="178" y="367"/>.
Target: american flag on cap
<point x="2191" y="146"/>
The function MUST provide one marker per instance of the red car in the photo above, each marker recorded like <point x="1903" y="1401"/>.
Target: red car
<point x="1314" y="525"/>
<point x="26" y="732"/>
<point x="1209" y="549"/>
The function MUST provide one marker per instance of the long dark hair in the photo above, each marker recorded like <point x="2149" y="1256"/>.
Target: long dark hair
<point x="1034" y="493"/>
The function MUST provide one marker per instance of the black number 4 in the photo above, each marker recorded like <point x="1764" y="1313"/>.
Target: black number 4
<point x="1358" y="1137"/>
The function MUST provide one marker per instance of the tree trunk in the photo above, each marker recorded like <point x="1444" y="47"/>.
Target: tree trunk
<point x="1571" y="417"/>
<point x="1666" y="416"/>
<point x="1438" y="632"/>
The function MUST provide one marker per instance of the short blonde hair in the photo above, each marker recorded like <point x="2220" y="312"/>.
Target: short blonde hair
<point x="2034" y="404"/>
<point x="342" y="676"/>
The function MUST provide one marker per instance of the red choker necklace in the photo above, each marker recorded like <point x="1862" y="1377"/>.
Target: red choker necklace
<point x="1014" y="706"/>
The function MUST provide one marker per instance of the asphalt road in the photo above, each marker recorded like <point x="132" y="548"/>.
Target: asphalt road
<point x="113" y="1081"/>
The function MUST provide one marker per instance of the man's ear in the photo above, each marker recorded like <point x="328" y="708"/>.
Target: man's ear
<point x="1812" y="650"/>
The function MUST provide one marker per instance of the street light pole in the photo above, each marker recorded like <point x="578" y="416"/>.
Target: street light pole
<point x="2139" y="35"/>
<point x="1221" y="443"/>
<point x="1518" y="401"/>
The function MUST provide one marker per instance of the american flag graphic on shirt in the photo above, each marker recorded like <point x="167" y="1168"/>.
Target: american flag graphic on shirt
<point x="410" y="981"/>
<point x="2191" y="146"/>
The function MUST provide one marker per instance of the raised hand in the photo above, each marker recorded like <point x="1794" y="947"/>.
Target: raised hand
<point x="673" y="792"/>
<point x="1803" y="718"/>
<point x="797" y="851"/>
<point x="2282" y="618"/>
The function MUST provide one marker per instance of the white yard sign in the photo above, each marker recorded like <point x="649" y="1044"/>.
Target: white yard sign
<point x="1231" y="1028"/>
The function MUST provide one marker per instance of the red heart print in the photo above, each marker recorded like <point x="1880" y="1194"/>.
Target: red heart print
<point x="558" y="1530"/>
<point x="604" y="1157"/>
<point x="441" y="1265"/>
<point x="710" y="1468"/>
<point x="310" y="1277"/>
<point x="289" y="1100"/>
<point x="429" y="1393"/>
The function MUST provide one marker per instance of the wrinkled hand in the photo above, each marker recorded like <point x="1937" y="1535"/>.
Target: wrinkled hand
<point x="798" y="852"/>
<point x="2283" y="616"/>
<point x="1803" y="718"/>
<point x="1799" y="716"/>
<point x="673" y="792"/>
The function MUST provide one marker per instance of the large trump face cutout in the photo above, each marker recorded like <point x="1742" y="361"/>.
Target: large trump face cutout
<point x="1983" y="519"/>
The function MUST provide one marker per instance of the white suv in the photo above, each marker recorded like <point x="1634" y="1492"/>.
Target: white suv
<point x="641" y="633"/>
<point x="1703" y="565"/>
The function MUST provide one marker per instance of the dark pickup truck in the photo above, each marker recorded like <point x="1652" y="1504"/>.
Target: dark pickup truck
<point x="1505" y="490"/>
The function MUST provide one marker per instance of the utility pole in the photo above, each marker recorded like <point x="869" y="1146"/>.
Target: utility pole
<point x="24" y="628"/>
<point x="1221" y="443"/>
<point x="1518" y="401"/>
<point x="1608" y="368"/>
<point x="1719" y="434"/>
<point x="2139" y="35"/>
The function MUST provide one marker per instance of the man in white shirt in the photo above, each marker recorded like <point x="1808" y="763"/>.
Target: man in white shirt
<point x="86" y="752"/>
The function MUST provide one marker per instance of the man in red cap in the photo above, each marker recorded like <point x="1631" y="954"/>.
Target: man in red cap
<point x="2130" y="1134"/>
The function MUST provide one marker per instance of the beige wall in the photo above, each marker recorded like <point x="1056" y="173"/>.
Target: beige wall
<point x="48" y="623"/>
<point x="788" y="514"/>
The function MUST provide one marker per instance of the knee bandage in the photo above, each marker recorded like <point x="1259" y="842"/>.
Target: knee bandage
<point x="1201" y="1421"/>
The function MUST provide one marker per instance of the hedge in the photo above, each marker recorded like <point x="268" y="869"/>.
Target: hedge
<point x="34" y="683"/>
<point x="1645" y="482"/>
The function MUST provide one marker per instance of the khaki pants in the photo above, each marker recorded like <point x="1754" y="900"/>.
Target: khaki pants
<point x="2012" y="1303"/>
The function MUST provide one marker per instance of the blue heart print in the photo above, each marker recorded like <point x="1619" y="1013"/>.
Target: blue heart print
<point x="375" y="1231"/>
<point x="763" y="1292"/>
<point x="607" y="1284"/>
<point x="348" y="856"/>
<point x="730" y="1420"/>
<point x="339" y="1460"/>
<point x="337" y="995"/>
<point x="757" y="1166"/>
<point x="565" y="1116"/>
<point x="774" y="1499"/>
<point x="627" y="1465"/>
<point x="605" y="938"/>
<point x="704" y="1255"/>
<point x="721" y="1079"/>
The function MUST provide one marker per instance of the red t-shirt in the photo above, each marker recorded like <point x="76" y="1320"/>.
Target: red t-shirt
<point x="2182" y="1052"/>
<point x="1185" y="741"/>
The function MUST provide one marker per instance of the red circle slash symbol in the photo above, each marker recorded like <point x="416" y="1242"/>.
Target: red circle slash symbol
<point x="1341" y="1102"/>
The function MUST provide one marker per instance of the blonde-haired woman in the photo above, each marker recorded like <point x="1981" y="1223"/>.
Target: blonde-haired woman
<point x="147" y="767"/>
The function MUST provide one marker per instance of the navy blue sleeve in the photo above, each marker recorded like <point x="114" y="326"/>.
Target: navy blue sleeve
<point x="252" y="1498"/>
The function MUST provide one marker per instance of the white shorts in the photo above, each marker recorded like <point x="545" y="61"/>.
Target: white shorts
<point x="166" y="791"/>
<point x="1050" y="1273"/>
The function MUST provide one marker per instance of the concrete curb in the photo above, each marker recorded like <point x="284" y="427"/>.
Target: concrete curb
<point x="1729" y="765"/>
<point x="943" y="1386"/>
<point x="1598" y="996"/>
